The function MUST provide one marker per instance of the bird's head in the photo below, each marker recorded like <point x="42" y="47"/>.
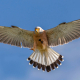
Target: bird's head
<point x="38" y="29"/>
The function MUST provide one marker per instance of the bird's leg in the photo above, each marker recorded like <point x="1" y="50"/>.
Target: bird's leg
<point x="32" y="49"/>
<point x="34" y="46"/>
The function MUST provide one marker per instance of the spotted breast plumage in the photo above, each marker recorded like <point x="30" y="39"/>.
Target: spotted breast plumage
<point x="40" y="42"/>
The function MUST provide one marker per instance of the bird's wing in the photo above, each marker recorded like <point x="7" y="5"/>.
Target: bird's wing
<point x="16" y="36"/>
<point x="63" y="33"/>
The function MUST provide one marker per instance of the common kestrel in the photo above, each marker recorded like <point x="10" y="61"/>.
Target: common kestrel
<point x="40" y="42"/>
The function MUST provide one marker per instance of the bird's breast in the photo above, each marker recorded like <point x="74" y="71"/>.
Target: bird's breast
<point x="40" y="41"/>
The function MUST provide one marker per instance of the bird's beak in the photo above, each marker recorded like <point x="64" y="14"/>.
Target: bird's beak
<point x="37" y="30"/>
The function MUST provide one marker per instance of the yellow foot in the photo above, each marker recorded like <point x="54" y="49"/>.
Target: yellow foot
<point x="32" y="49"/>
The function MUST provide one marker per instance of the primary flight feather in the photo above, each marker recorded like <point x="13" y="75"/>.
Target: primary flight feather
<point x="40" y="42"/>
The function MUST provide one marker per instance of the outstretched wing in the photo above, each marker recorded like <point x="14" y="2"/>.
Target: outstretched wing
<point x="63" y="33"/>
<point x="16" y="36"/>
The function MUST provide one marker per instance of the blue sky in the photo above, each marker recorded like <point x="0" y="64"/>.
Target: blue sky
<point x="28" y="14"/>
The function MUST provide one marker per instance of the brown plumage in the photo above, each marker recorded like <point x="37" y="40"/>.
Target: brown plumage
<point x="40" y="41"/>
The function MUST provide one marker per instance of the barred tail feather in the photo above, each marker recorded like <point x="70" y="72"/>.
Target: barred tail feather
<point x="48" y="60"/>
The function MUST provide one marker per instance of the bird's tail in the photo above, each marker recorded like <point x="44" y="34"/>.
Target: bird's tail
<point x="46" y="60"/>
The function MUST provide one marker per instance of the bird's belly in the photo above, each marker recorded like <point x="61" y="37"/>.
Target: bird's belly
<point x="41" y="44"/>
<point x="40" y="41"/>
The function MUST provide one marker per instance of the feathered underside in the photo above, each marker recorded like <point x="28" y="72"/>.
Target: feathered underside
<point x="63" y="33"/>
<point x="47" y="60"/>
<point x="16" y="36"/>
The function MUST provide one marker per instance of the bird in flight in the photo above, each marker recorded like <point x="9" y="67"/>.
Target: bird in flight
<point x="40" y="42"/>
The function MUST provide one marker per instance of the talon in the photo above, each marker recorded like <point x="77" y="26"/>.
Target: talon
<point x="32" y="49"/>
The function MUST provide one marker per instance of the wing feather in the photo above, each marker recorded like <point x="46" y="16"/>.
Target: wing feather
<point x="63" y="33"/>
<point x="16" y="36"/>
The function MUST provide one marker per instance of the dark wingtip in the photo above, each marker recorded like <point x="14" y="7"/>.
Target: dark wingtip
<point x="58" y="62"/>
<point x="31" y="62"/>
<point x="43" y="67"/>
<point x="39" y="66"/>
<point x="52" y="66"/>
<point x="60" y="58"/>
<point x="34" y="64"/>
<point x="48" y="69"/>
<point x="14" y="26"/>
<point x="28" y="59"/>
<point x="55" y="64"/>
<point x="62" y="23"/>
